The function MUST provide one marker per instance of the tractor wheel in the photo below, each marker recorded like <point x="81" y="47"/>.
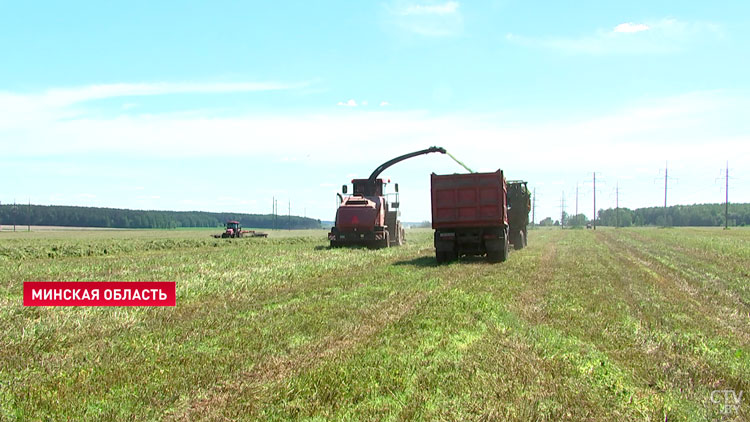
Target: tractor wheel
<point x="439" y="257"/>
<point x="335" y="244"/>
<point x="525" y="238"/>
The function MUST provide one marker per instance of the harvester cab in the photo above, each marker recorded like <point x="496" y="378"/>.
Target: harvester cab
<point x="368" y="216"/>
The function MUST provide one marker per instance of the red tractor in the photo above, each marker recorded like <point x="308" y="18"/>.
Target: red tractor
<point x="366" y="217"/>
<point x="234" y="229"/>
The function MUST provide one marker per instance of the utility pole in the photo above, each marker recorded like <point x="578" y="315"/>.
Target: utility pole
<point x="576" y="202"/>
<point x="617" y="204"/>
<point x="562" y="211"/>
<point x="666" y="178"/>
<point x="594" y="200"/>
<point x="533" y="209"/>
<point x="666" y="189"/>
<point x="726" y="199"/>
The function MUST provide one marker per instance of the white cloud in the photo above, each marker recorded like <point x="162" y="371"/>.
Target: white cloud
<point x="677" y="126"/>
<point x="364" y="102"/>
<point x="629" y="27"/>
<point x="429" y="19"/>
<point x="18" y="109"/>
<point x="350" y="103"/>
<point x="68" y="96"/>
<point x="657" y="37"/>
<point x="384" y="104"/>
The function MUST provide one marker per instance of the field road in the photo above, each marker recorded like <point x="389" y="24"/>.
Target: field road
<point x="626" y="325"/>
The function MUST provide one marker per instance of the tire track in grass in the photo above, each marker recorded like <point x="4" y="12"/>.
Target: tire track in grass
<point x="682" y="343"/>
<point x="709" y="271"/>
<point x="580" y="340"/>
<point x="530" y="302"/>
<point x="717" y="306"/>
<point x="278" y="368"/>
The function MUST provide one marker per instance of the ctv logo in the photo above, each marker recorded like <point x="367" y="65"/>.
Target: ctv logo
<point x="729" y="400"/>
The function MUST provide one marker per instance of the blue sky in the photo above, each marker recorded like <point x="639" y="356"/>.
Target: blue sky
<point x="222" y="106"/>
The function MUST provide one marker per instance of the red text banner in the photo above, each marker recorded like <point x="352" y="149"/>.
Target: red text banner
<point x="99" y="293"/>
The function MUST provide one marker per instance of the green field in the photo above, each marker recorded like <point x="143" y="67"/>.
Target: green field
<point x="630" y="324"/>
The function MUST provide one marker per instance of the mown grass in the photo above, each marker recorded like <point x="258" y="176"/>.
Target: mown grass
<point x="630" y="324"/>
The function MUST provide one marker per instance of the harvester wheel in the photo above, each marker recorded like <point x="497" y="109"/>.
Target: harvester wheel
<point x="386" y="241"/>
<point x="399" y="235"/>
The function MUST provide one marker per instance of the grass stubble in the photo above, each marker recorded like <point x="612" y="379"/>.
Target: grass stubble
<point x="629" y="324"/>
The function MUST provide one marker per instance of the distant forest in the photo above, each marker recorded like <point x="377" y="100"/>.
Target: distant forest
<point x="677" y="215"/>
<point x="56" y="215"/>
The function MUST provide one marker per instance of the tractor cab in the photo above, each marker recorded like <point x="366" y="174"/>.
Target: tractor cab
<point x="234" y="225"/>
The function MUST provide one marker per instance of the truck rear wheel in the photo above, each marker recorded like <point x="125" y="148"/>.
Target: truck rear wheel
<point x="501" y="254"/>
<point x="445" y="257"/>
<point x="519" y="241"/>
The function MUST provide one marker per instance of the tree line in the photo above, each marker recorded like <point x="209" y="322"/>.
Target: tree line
<point x="676" y="215"/>
<point x="58" y="215"/>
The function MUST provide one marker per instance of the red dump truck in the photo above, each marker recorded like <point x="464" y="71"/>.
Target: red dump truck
<point x="470" y="215"/>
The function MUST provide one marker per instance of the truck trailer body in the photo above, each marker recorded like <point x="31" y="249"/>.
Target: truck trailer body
<point x="470" y="215"/>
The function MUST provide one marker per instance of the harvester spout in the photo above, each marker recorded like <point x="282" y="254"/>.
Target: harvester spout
<point x="391" y="162"/>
